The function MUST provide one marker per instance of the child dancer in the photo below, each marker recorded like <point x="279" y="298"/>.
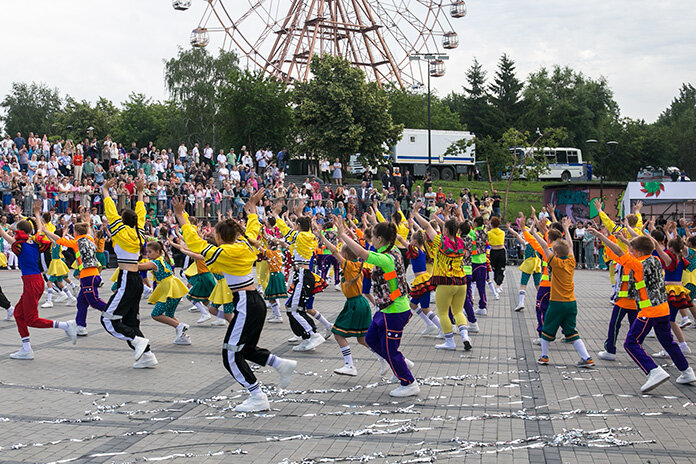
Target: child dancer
<point x="422" y="285"/>
<point x="168" y="293"/>
<point x="201" y="280"/>
<point x="530" y="267"/>
<point x="275" y="288"/>
<point x="355" y="317"/>
<point x="234" y="257"/>
<point x="367" y="267"/>
<point x="653" y="310"/>
<point x="479" y="272"/>
<point x="465" y="235"/>
<point x="5" y="304"/>
<point x="562" y="305"/>
<point x="26" y="312"/>
<point x="121" y="317"/>
<point x="498" y="253"/>
<point x="88" y="268"/>
<point x="448" y="276"/>
<point x="58" y="275"/>
<point x="390" y="289"/>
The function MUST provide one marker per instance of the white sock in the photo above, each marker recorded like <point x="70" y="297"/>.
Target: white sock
<point x="423" y="316"/>
<point x="436" y="320"/>
<point x="491" y="285"/>
<point x="201" y="307"/>
<point x="147" y="289"/>
<point x="323" y="320"/>
<point x="49" y="295"/>
<point x="60" y="325"/>
<point x="221" y="313"/>
<point x="26" y="346"/>
<point x="10" y="310"/>
<point x="544" y="347"/>
<point x="464" y="332"/>
<point x="67" y="291"/>
<point x="73" y="285"/>
<point x="179" y="325"/>
<point x="523" y="293"/>
<point x="345" y="351"/>
<point x="685" y="318"/>
<point x="275" y="308"/>
<point x="273" y="361"/>
<point x="255" y="390"/>
<point x="579" y="346"/>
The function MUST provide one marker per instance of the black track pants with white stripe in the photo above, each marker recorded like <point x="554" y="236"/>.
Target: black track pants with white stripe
<point x="243" y="333"/>
<point x="125" y="303"/>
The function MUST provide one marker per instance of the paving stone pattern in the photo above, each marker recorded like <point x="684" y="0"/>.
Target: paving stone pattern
<point x="86" y="404"/>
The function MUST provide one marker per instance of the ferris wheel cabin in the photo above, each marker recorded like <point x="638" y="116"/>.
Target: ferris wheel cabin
<point x="200" y="37"/>
<point x="181" y="5"/>
<point x="437" y="68"/>
<point x="458" y="9"/>
<point x="450" y="40"/>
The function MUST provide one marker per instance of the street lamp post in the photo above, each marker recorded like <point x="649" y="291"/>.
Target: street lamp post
<point x="430" y="58"/>
<point x="613" y="145"/>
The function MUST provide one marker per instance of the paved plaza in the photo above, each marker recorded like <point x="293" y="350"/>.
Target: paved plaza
<point x="86" y="404"/>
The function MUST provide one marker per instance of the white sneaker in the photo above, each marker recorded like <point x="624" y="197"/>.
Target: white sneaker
<point x="47" y="304"/>
<point x="448" y="345"/>
<point x="481" y="312"/>
<point x="496" y="295"/>
<point x="519" y="307"/>
<point x="685" y="322"/>
<point x="147" y="360"/>
<point x="383" y="366"/>
<point x="275" y="319"/>
<point x="660" y="354"/>
<point x="347" y="370"/>
<point x="60" y="297"/>
<point x="685" y="348"/>
<point x="285" y="370"/>
<point x="23" y="354"/>
<point x="473" y="327"/>
<point x="294" y="339"/>
<point x="192" y="309"/>
<point x="537" y="341"/>
<point x="656" y="377"/>
<point x="204" y="318"/>
<point x="687" y="376"/>
<point x="82" y="331"/>
<point x="440" y="335"/>
<point x="402" y="391"/>
<point x="9" y="313"/>
<point x="315" y="340"/>
<point x="409" y="364"/>
<point x="303" y="346"/>
<point x="255" y="403"/>
<point x="71" y="331"/>
<point x="139" y="344"/>
<point x="217" y="322"/>
<point x="605" y="355"/>
<point x="182" y="340"/>
<point x="181" y="330"/>
<point x="337" y="287"/>
<point x="71" y="301"/>
<point x="430" y="331"/>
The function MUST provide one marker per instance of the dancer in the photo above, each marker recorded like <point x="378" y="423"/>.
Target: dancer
<point x="57" y="274"/>
<point x="325" y="259"/>
<point x="201" y="281"/>
<point x="275" y="287"/>
<point x="367" y="267"/>
<point x="121" y="317"/>
<point x="422" y="284"/>
<point x="449" y="278"/>
<point x="530" y="267"/>
<point x="88" y="267"/>
<point x="654" y="312"/>
<point x="563" y="308"/>
<point x="355" y="317"/>
<point x="390" y="289"/>
<point x="168" y="293"/>
<point x="26" y="311"/>
<point x="5" y="304"/>
<point x="496" y="240"/>
<point x="479" y="272"/>
<point x="301" y="299"/>
<point x="465" y="235"/>
<point x="245" y="310"/>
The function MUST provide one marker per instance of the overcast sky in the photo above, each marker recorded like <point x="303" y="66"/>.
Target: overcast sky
<point x="91" y="48"/>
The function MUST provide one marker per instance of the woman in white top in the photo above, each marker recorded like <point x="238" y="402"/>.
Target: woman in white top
<point x="337" y="172"/>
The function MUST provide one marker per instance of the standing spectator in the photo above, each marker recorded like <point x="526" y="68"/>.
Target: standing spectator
<point x="23" y="159"/>
<point x="196" y="155"/>
<point x="588" y="170"/>
<point x="260" y="161"/>
<point x="578" y="247"/>
<point x="77" y="162"/>
<point x="495" y="203"/>
<point x="282" y="159"/>
<point x="427" y="182"/>
<point x="247" y="162"/>
<point x="408" y="181"/>
<point x="324" y="170"/>
<point x="183" y="152"/>
<point x="63" y="195"/>
<point x="231" y="159"/>
<point x="19" y="141"/>
<point x="208" y="155"/>
<point x="222" y="158"/>
<point x="588" y="244"/>
<point x="6" y="146"/>
<point x="337" y="172"/>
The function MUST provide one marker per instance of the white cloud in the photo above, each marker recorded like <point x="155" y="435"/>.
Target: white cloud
<point x="90" y="48"/>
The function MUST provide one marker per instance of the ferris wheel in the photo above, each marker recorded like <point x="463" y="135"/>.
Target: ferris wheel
<point x="281" y="36"/>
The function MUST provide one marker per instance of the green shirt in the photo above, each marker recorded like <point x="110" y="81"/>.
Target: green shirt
<point x="479" y="258"/>
<point x="386" y="263"/>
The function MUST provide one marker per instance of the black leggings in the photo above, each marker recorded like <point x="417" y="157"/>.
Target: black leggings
<point x="498" y="262"/>
<point x="4" y="302"/>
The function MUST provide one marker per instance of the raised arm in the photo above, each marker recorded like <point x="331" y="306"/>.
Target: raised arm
<point x="514" y="233"/>
<point x="541" y="243"/>
<point x="355" y="247"/>
<point x="551" y="209"/>
<point x="566" y="235"/>
<point x="607" y="242"/>
<point x="7" y="237"/>
<point x="422" y="222"/>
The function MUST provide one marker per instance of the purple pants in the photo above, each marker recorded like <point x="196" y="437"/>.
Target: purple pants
<point x="88" y="296"/>
<point x="469" y="302"/>
<point x="617" y="315"/>
<point x="384" y="337"/>
<point x="479" y="275"/>
<point x="637" y="333"/>
<point x="325" y="264"/>
<point x="542" y="304"/>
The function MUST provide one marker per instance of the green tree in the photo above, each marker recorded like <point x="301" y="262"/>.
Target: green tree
<point x="678" y="124"/>
<point x="337" y="114"/>
<point x="30" y="108"/>
<point x="195" y="79"/>
<point x="254" y="111"/>
<point x="411" y="110"/>
<point x="77" y="116"/>
<point x="505" y="97"/>
<point x="473" y="105"/>
<point x="142" y="121"/>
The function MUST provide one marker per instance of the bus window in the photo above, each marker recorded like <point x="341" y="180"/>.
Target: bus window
<point x="573" y="156"/>
<point x="561" y="157"/>
<point x="550" y="156"/>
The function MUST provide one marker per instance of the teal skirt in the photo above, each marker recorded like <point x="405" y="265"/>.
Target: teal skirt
<point x="201" y="287"/>
<point x="101" y="257"/>
<point x="276" y="287"/>
<point x="354" y="319"/>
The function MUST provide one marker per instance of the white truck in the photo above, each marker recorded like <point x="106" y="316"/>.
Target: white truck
<point x="411" y="152"/>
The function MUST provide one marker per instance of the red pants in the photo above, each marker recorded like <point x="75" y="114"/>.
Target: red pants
<point x="27" y="309"/>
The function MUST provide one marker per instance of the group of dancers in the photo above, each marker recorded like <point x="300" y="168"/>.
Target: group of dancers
<point x="449" y="256"/>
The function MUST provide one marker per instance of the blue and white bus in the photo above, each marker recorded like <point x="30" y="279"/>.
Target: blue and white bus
<point x="564" y="163"/>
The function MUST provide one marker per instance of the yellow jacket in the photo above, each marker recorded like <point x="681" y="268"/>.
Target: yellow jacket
<point x="402" y="229"/>
<point x="611" y="225"/>
<point x="303" y="243"/>
<point x="127" y="240"/>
